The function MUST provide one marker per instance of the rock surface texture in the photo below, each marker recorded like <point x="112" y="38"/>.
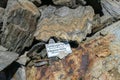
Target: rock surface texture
<point x="19" y="24"/>
<point x="107" y="68"/>
<point x="65" y="23"/>
<point x="6" y="58"/>
<point x="111" y="8"/>
<point x="95" y="59"/>
<point x="26" y="26"/>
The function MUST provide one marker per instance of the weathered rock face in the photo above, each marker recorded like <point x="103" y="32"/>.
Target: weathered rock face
<point x="107" y="68"/>
<point x="65" y="23"/>
<point x="111" y="8"/>
<point x="19" y="25"/>
<point x="6" y="58"/>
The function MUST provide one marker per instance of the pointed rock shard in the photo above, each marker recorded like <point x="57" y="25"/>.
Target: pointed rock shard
<point x="6" y="58"/>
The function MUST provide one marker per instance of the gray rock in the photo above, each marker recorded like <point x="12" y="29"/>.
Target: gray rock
<point x="69" y="3"/>
<point x="3" y="48"/>
<point x="1" y="14"/>
<point x="19" y="24"/>
<point x="20" y="74"/>
<point x="111" y="8"/>
<point x="65" y="23"/>
<point x="23" y="59"/>
<point x="6" y="58"/>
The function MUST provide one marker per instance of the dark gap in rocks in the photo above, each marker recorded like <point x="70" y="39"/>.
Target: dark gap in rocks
<point x="1" y="24"/>
<point x="91" y="34"/>
<point x="11" y="70"/>
<point x="96" y="5"/>
<point x="54" y="38"/>
<point x="73" y="44"/>
<point x="46" y="2"/>
<point x="3" y="3"/>
<point x="40" y="49"/>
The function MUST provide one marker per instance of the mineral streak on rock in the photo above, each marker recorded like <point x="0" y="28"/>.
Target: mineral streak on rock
<point x="19" y="24"/>
<point x="65" y="23"/>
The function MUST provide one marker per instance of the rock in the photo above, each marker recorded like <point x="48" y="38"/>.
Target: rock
<point x="6" y="58"/>
<point x="19" y="25"/>
<point x="97" y="58"/>
<point x="3" y="48"/>
<point x="107" y="68"/>
<point x="111" y="8"/>
<point x="1" y="16"/>
<point x="69" y="3"/>
<point x="65" y="23"/>
<point x="67" y="69"/>
<point x="20" y="74"/>
<point x="23" y="59"/>
<point x="36" y="2"/>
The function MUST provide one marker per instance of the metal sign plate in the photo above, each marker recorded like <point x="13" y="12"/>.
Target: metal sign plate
<point x="56" y="49"/>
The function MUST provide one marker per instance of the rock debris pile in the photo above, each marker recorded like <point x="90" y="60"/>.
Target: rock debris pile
<point x="84" y="34"/>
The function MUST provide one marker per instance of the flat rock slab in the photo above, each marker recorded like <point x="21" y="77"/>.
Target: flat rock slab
<point x="6" y="58"/>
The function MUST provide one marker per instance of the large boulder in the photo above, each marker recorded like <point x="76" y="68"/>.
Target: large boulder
<point x="19" y="24"/>
<point x="65" y="23"/>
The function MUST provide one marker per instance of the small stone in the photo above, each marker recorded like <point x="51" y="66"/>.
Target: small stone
<point x="23" y="59"/>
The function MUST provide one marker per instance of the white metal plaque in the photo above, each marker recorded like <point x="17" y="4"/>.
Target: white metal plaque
<point x="56" y="49"/>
